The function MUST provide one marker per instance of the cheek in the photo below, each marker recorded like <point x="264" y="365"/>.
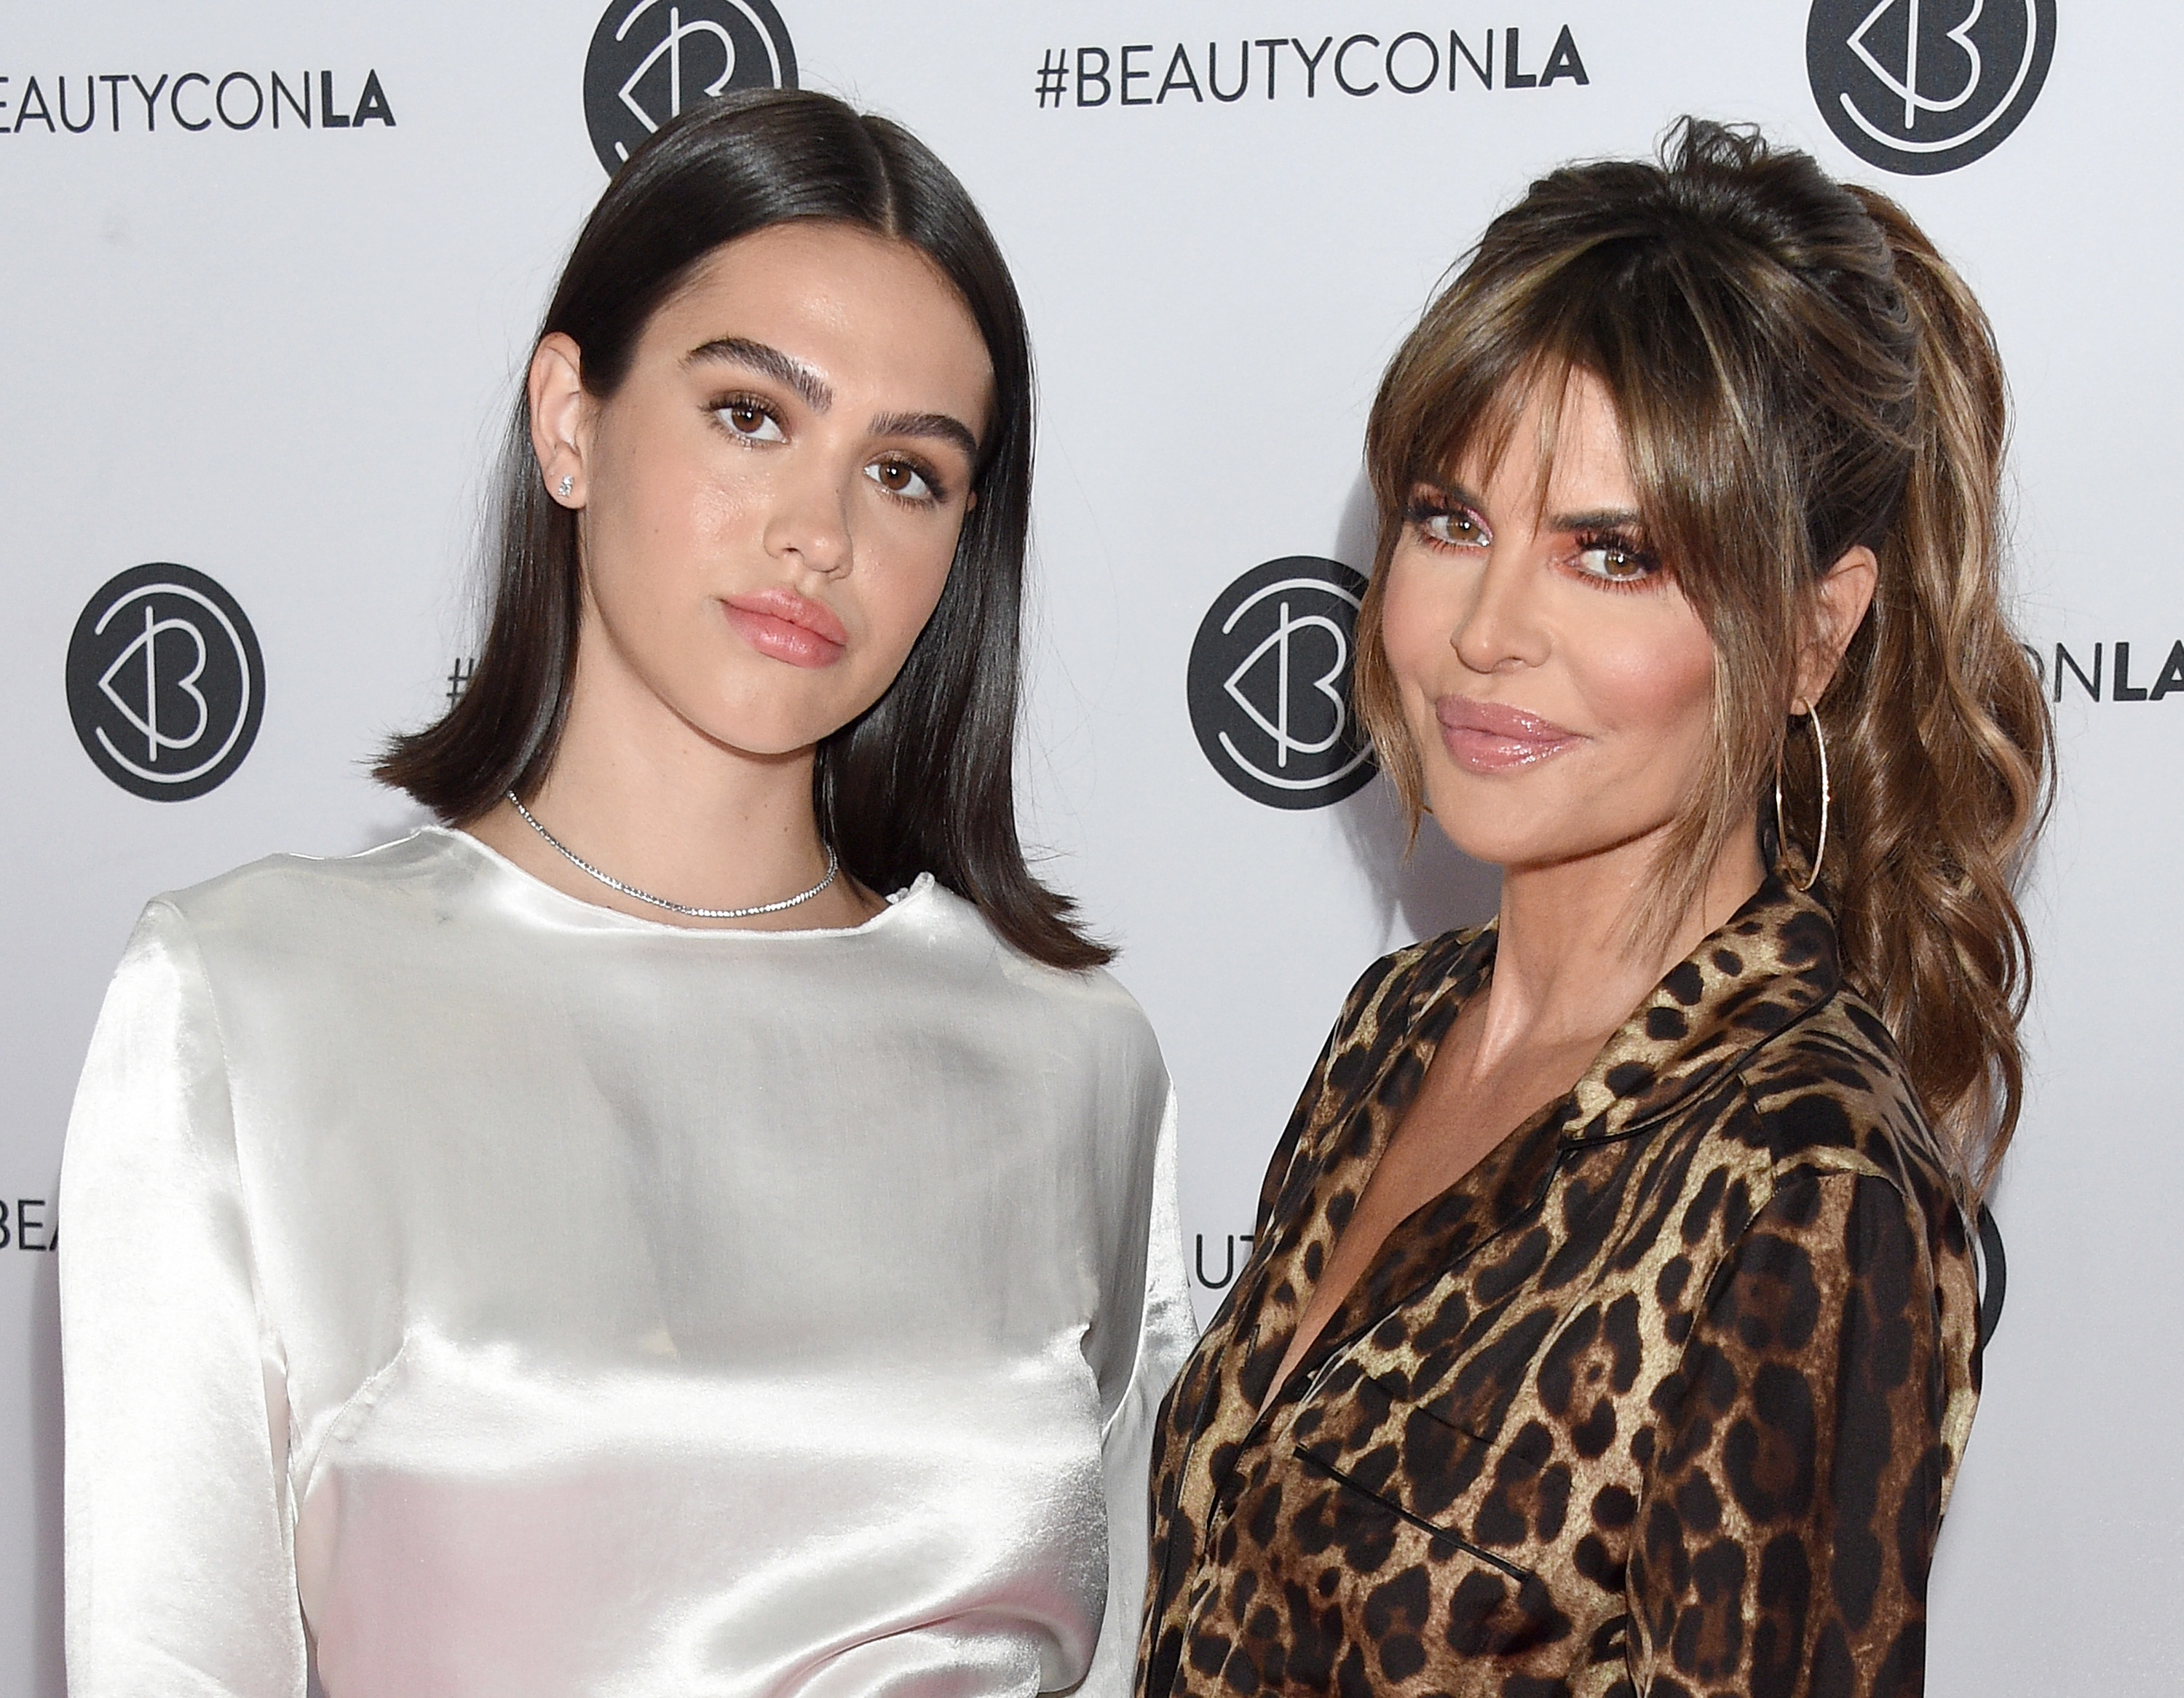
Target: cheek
<point x="898" y="582"/>
<point x="1417" y="616"/>
<point x="1651" y="678"/>
<point x="652" y="506"/>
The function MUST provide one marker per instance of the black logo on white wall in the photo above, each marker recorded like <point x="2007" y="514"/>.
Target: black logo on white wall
<point x="1920" y="87"/>
<point x="1269" y="684"/>
<point x="165" y="682"/>
<point x="652" y="60"/>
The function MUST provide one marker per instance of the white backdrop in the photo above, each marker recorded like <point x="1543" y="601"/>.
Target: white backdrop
<point x="279" y="357"/>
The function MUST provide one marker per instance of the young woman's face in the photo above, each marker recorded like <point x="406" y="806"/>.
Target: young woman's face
<point x="771" y="498"/>
<point x="1557" y="684"/>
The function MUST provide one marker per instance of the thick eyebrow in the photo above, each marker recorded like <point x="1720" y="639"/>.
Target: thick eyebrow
<point x="1599" y="519"/>
<point x="940" y="426"/>
<point x="1461" y="494"/>
<point x="1595" y="519"/>
<point x="767" y="362"/>
<point x="785" y="368"/>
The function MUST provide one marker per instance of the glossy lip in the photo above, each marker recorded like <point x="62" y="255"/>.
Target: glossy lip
<point x="784" y="626"/>
<point x="1493" y="737"/>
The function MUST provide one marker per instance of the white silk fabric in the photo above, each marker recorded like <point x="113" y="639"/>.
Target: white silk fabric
<point x="469" y="1290"/>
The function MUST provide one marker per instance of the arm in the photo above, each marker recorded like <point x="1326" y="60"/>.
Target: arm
<point x="1166" y="1330"/>
<point x="1788" y="1518"/>
<point x="180" y="1579"/>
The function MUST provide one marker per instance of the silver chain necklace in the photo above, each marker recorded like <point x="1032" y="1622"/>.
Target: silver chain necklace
<point x="613" y="884"/>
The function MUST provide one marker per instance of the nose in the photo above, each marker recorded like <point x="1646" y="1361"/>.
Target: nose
<point x="809" y="524"/>
<point x="1500" y="629"/>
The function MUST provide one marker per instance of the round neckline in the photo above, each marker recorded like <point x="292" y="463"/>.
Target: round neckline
<point x="532" y="884"/>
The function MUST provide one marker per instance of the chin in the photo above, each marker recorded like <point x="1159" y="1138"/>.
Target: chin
<point x="764" y="736"/>
<point x="1482" y="833"/>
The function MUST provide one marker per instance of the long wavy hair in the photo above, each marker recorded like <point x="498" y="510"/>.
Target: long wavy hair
<point x="921" y="782"/>
<point x="1797" y="372"/>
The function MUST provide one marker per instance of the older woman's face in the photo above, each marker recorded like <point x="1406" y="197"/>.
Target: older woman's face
<point x="1558" y="687"/>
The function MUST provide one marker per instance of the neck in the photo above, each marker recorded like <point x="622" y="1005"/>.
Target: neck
<point x="1566" y="970"/>
<point x="642" y="794"/>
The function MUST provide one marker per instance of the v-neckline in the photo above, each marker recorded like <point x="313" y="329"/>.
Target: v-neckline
<point x="1699" y="1020"/>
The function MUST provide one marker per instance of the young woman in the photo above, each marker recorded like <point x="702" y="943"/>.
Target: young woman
<point x="1611" y="1324"/>
<point x="697" y="1222"/>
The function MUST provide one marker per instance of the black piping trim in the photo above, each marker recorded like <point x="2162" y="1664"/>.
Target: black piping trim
<point x="1521" y="1576"/>
<point x="1730" y="1067"/>
<point x="1323" y="1354"/>
<point x="1996" y="1267"/>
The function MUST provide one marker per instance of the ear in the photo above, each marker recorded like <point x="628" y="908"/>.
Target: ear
<point x="1845" y="595"/>
<point x="560" y="417"/>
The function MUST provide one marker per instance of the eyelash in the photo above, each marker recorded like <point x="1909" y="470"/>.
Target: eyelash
<point x="716" y="408"/>
<point x="1423" y="509"/>
<point x="1610" y="543"/>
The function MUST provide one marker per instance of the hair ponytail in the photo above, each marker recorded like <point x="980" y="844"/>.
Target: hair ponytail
<point x="1947" y="745"/>
<point x="1797" y="373"/>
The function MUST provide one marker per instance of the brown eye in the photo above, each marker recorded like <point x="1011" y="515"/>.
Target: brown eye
<point x="749" y="420"/>
<point x="901" y="478"/>
<point x="1609" y="563"/>
<point x="1454" y="527"/>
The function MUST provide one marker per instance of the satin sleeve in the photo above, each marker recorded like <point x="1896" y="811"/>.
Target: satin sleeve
<point x="181" y="1576"/>
<point x="1167" y="1329"/>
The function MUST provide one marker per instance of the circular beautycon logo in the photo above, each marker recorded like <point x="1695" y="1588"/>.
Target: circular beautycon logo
<point x="652" y="60"/>
<point x="1920" y="86"/>
<point x="165" y="682"/>
<point x="1269" y="683"/>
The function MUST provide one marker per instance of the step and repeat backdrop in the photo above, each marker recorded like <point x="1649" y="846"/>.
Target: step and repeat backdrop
<point x="267" y="274"/>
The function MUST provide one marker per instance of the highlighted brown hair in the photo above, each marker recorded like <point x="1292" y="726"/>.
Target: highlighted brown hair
<point x="1796" y="372"/>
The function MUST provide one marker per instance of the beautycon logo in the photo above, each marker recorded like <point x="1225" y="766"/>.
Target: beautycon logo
<point x="1387" y="61"/>
<point x="1269" y="683"/>
<point x="1920" y="86"/>
<point x="2109" y="670"/>
<point x="165" y="682"/>
<point x="652" y="60"/>
<point x="192" y="102"/>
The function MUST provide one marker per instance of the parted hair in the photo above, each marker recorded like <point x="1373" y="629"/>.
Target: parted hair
<point x="1796" y="372"/>
<point x="923" y="782"/>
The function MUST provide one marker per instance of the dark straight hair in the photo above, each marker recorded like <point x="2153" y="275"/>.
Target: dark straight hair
<point x="923" y="782"/>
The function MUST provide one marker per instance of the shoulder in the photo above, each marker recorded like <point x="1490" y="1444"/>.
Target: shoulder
<point x="289" y="904"/>
<point x="1382" y="1004"/>
<point x="956" y="939"/>
<point x="1401" y="978"/>
<point x="285" y="880"/>
<point x="1830" y="1094"/>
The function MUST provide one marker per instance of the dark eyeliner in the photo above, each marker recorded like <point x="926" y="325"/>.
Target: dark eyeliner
<point x="1651" y="573"/>
<point x="933" y="482"/>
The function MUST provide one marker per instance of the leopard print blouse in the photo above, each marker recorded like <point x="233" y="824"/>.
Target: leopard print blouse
<point x="1664" y="1398"/>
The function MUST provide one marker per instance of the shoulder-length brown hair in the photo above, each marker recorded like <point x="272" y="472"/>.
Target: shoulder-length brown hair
<point x="1796" y="372"/>
<point x="923" y="782"/>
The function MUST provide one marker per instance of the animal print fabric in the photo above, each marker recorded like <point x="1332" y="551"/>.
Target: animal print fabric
<point x="1662" y="1398"/>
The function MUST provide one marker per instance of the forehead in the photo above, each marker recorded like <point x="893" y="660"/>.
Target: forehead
<point x="1562" y="445"/>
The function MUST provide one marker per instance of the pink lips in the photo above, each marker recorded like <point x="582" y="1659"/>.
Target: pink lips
<point x="1492" y="736"/>
<point x="784" y="626"/>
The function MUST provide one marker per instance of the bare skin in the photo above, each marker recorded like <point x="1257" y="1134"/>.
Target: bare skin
<point x="801" y="423"/>
<point x="1498" y="597"/>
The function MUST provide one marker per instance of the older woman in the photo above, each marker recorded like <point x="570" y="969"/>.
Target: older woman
<point x="1611" y="1323"/>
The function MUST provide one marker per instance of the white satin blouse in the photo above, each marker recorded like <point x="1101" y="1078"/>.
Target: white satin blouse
<point x="468" y="1290"/>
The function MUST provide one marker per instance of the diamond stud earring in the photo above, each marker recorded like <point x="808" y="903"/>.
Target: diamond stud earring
<point x="567" y="484"/>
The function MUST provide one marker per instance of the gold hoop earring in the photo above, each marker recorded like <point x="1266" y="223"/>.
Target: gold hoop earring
<point x="1781" y="835"/>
